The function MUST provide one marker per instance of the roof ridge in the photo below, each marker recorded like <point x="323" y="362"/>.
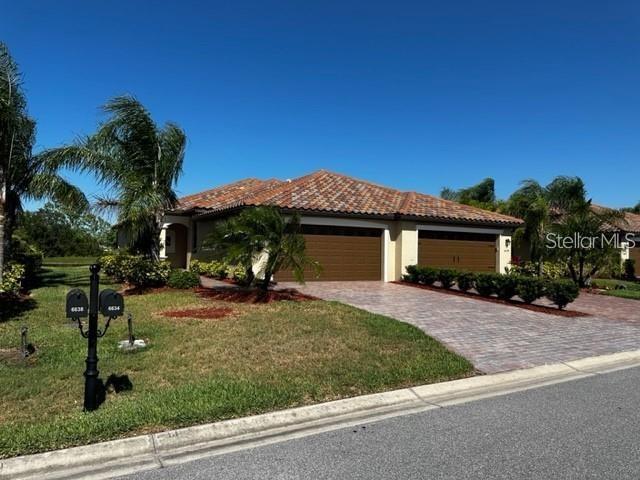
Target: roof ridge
<point x="368" y="182"/>
<point x="407" y="199"/>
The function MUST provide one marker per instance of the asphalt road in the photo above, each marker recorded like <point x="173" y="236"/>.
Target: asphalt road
<point x="583" y="429"/>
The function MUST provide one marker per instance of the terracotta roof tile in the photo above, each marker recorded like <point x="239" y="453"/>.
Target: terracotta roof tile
<point x="225" y="196"/>
<point x="633" y="222"/>
<point x="324" y="191"/>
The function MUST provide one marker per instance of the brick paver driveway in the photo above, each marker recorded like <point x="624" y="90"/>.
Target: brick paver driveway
<point x="494" y="337"/>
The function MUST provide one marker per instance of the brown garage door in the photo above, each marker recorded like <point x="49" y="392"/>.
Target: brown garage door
<point x="344" y="253"/>
<point x="463" y="251"/>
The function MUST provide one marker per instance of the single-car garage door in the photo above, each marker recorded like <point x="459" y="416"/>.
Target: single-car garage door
<point x="345" y="253"/>
<point x="474" y="252"/>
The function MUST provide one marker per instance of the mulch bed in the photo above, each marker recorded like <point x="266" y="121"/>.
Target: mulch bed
<point x="252" y="295"/>
<point x="512" y="303"/>
<point x="208" y="313"/>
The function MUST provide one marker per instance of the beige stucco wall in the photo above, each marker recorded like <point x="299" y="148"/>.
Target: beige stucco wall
<point x="503" y="253"/>
<point x="400" y="241"/>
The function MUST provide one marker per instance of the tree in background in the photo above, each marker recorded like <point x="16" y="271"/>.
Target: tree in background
<point x="562" y="208"/>
<point x="583" y="220"/>
<point x="23" y="175"/>
<point x="262" y="232"/>
<point x="481" y="195"/>
<point x="635" y="209"/>
<point x="539" y="207"/>
<point x="138" y="162"/>
<point x="56" y="230"/>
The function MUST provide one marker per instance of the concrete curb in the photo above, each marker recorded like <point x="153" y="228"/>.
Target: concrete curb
<point x="120" y="457"/>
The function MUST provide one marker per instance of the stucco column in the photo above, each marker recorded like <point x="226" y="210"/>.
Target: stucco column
<point x="625" y="254"/>
<point x="163" y="237"/>
<point x="406" y="248"/>
<point x="503" y="253"/>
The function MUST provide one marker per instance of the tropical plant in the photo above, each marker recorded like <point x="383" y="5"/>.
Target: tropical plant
<point x="584" y="259"/>
<point x="138" y="163"/>
<point x="482" y="195"/>
<point x="23" y="175"/>
<point x="262" y="236"/>
<point x="540" y="207"/>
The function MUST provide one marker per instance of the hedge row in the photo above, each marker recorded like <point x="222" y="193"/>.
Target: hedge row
<point x="143" y="272"/>
<point x="216" y="269"/>
<point x="529" y="289"/>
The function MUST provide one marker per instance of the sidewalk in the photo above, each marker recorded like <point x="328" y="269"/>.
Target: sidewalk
<point x="125" y="456"/>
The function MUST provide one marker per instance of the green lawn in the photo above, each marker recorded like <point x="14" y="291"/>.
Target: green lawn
<point x="68" y="261"/>
<point x="260" y="358"/>
<point x="631" y="290"/>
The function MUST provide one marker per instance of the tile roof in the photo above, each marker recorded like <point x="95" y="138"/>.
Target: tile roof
<point x="329" y="192"/>
<point x="225" y="196"/>
<point x="632" y="222"/>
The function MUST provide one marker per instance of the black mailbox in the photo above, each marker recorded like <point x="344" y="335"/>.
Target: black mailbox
<point x="77" y="304"/>
<point x="111" y="303"/>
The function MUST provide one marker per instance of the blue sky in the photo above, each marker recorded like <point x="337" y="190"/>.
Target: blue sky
<point x="415" y="95"/>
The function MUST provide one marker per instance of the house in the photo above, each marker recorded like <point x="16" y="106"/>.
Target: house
<point x="356" y="229"/>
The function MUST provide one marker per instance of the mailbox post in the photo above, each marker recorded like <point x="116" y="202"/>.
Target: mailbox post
<point x="108" y="302"/>
<point x="91" y="373"/>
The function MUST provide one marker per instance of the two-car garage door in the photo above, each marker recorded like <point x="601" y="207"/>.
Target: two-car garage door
<point x="475" y="252"/>
<point x="344" y="253"/>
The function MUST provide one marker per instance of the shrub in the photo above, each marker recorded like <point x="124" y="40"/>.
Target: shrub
<point x="412" y="273"/>
<point x="506" y="286"/>
<point x="183" y="279"/>
<point x="28" y="256"/>
<point x="466" y="281"/>
<point x="561" y="292"/>
<point x="12" y="279"/>
<point x="447" y="277"/>
<point x="630" y="269"/>
<point x="550" y="270"/>
<point x="486" y="283"/>
<point x="428" y="275"/>
<point x="136" y="270"/>
<point x="212" y="269"/>
<point x="237" y="273"/>
<point x="529" y="289"/>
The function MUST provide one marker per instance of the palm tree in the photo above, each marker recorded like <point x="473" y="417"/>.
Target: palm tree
<point x="138" y="162"/>
<point x="262" y="233"/>
<point x="22" y="174"/>
<point x="481" y="195"/>
<point x="540" y="207"/>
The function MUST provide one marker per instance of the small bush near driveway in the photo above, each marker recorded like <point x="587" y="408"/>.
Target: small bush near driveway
<point x="447" y="277"/>
<point x="466" y="281"/>
<point x="530" y="289"/>
<point x="486" y="284"/>
<point x="561" y="292"/>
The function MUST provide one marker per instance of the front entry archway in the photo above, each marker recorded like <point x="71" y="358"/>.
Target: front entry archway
<point x="175" y="245"/>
